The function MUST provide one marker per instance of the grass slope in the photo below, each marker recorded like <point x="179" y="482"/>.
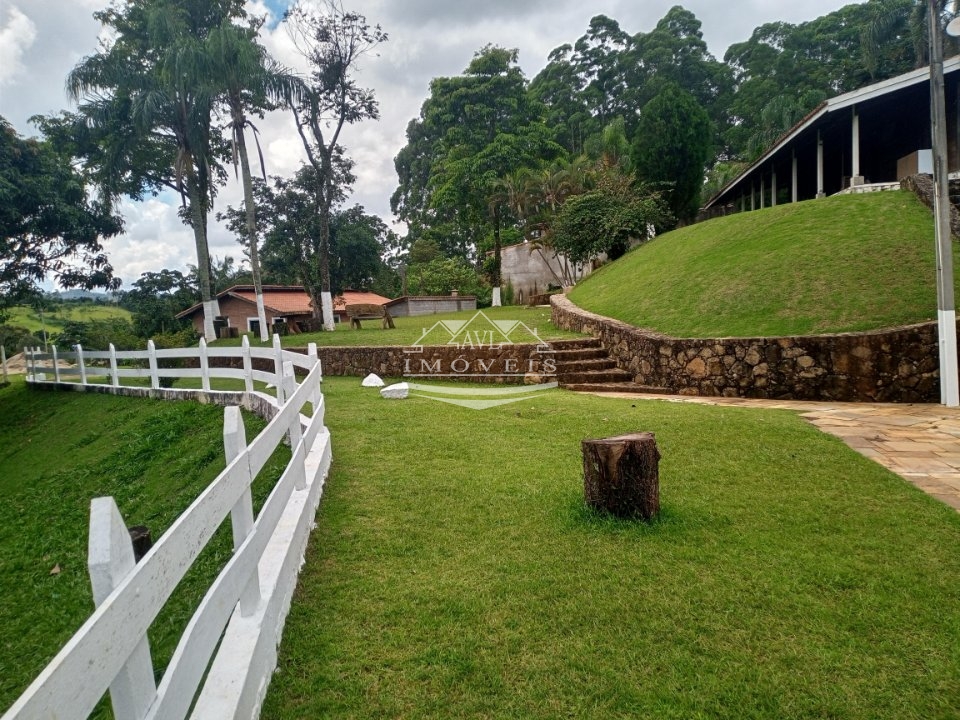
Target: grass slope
<point x="454" y="572"/>
<point x="27" y="317"/>
<point x="844" y="263"/>
<point x="58" y="450"/>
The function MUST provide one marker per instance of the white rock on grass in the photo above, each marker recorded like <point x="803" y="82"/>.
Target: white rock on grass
<point x="372" y="380"/>
<point x="397" y="391"/>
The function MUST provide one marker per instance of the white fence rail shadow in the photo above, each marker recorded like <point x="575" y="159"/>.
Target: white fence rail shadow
<point x="224" y="660"/>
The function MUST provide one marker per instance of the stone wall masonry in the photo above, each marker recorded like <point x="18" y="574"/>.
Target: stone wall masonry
<point x="894" y="365"/>
<point x="507" y="364"/>
<point x="498" y="364"/>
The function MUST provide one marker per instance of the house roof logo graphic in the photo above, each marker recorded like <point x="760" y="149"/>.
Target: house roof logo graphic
<point x="479" y="331"/>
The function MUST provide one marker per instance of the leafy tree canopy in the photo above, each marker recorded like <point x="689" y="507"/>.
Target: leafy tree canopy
<point x="672" y="145"/>
<point x="50" y="223"/>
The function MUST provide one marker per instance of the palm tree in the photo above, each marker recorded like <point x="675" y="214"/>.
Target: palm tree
<point x="893" y="19"/>
<point x="155" y="76"/>
<point x="251" y="79"/>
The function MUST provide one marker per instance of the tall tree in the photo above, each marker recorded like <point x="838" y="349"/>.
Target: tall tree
<point x="253" y="81"/>
<point x="473" y="130"/>
<point x="672" y="145"/>
<point x="155" y="300"/>
<point x="333" y="41"/>
<point x="151" y="84"/>
<point x="559" y="88"/>
<point x="49" y="223"/>
<point x="674" y="52"/>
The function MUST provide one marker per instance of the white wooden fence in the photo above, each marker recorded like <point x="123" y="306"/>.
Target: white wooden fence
<point x="227" y="654"/>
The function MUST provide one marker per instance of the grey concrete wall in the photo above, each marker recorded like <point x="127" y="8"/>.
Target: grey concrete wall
<point x="414" y="306"/>
<point x="532" y="272"/>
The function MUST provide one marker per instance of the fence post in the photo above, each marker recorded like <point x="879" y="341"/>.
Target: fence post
<point x="83" y="367"/>
<point x="110" y="560"/>
<point x="316" y="396"/>
<point x="114" y="373"/>
<point x="241" y="516"/>
<point x="204" y="366"/>
<point x="295" y="431"/>
<point x="278" y="369"/>
<point x="3" y="361"/>
<point x="247" y="364"/>
<point x="56" y="364"/>
<point x="154" y="373"/>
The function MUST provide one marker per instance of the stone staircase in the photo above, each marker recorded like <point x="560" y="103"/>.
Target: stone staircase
<point x="584" y="365"/>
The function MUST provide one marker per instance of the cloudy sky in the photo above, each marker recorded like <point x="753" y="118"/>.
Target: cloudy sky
<point x="40" y="40"/>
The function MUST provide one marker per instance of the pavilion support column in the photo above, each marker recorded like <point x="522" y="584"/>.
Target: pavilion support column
<point x="820" y="192"/>
<point x="773" y="188"/>
<point x="763" y="190"/>
<point x="753" y="199"/>
<point x="856" y="178"/>
<point x="794" y="193"/>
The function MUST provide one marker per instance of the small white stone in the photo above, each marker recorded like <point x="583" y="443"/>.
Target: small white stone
<point x="397" y="391"/>
<point x="372" y="380"/>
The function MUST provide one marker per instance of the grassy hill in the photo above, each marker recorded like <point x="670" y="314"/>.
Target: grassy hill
<point x="844" y="263"/>
<point x="153" y="457"/>
<point x="54" y="320"/>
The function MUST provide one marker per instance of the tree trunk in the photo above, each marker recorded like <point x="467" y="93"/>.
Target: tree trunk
<point x="198" y="221"/>
<point x="621" y="475"/>
<point x="251" y="211"/>
<point x="496" y="257"/>
<point x="325" y="289"/>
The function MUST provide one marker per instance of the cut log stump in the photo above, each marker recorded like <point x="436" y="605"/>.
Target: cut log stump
<point x="621" y="475"/>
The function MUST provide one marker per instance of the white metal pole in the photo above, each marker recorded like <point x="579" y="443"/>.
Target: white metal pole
<point x="946" y="314"/>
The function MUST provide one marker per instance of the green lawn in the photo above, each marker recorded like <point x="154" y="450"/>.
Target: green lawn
<point x="409" y="330"/>
<point x="28" y="317"/>
<point x="844" y="263"/>
<point x="455" y="572"/>
<point x="58" y="450"/>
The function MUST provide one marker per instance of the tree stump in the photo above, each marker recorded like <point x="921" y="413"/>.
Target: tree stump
<point x="141" y="539"/>
<point x="621" y="475"/>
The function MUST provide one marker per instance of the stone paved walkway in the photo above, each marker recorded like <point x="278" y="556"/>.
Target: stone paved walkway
<point x="921" y="443"/>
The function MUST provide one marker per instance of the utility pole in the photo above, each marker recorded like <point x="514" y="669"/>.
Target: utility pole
<point x="946" y="313"/>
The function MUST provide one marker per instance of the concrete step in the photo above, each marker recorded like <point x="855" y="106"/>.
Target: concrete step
<point x="565" y="367"/>
<point x="616" y="387"/>
<point x="579" y="354"/>
<point x="614" y="375"/>
<point x="574" y="344"/>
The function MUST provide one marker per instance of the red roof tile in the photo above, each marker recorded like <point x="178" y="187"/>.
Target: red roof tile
<point x="354" y="297"/>
<point x="293" y="301"/>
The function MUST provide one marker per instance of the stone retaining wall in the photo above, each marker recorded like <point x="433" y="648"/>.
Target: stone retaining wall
<point x="503" y="364"/>
<point x="894" y="365"/>
<point x="492" y="364"/>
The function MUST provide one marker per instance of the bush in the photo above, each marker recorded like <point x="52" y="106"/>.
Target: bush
<point x="187" y="337"/>
<point x="98" y="335"/>
<point x="443" y="275"/>
<point x="13" y="338"/>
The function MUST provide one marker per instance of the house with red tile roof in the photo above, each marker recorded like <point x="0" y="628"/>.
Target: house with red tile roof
<point x="286" y="304"/>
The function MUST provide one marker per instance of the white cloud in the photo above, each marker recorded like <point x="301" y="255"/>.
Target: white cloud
<point x="17" y="34"/>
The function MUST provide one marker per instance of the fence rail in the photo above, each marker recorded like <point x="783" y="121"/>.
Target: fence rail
<point x="225" y="657"/>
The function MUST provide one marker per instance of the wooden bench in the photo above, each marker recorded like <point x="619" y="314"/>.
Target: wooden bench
<point x="369" y="311"/>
